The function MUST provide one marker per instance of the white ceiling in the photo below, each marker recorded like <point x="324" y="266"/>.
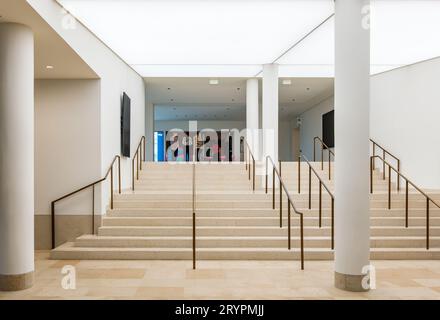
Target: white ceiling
<point x="196" y="91"/>
<point x="50" y="49"/>
<point x="196" y="99"/>
<point x="200" y="113"/>
<point x="234" y="37"/>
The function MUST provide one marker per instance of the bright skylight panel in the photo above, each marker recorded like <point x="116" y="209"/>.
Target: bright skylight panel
<point x="402" y="33"/>
<point x="316" y="49"/>
<point x="235" y="37"/>
<point x="199" y="31"/>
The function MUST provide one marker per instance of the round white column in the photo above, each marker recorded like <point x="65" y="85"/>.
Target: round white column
<point x="270" y="111"/>
<point x="16" y="157"/>
<point x="352" y="104"/>
<point x="252" y="118"/>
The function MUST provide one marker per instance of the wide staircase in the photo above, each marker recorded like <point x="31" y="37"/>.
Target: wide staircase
<point x="234" y="222"/>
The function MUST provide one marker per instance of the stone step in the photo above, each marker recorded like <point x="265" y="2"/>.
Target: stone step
<point x="176" y="177"/>
<point x="235" y="241"/>
<point x="252" y="221"/>
<point x="265" y="203"/>
<point x="142" y="231"/>
<point x="188" y="169"/>
<point x="379" y="188"/>
<point x="187" y="195"/>
<point x="260" y="174"/>
<point x="246" y="184"/>
<point x="176" y="188"/>
<point x="202" y="242"/>
<point x="69" y="252"/>
<point x="252" y="212"/>
<point x="245" y="195"/>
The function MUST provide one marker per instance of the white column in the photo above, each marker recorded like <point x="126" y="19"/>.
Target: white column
<point x="252" y="112"/>
<point x="352" y="103"/>
<point x="16" y="157"/>
<point x="149" y="130"/>
<point x="270" y="111"/>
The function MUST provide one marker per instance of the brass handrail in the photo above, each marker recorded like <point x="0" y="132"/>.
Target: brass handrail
<point x="194" y="143"/>
<point x="289" y="205"/>
<point x="248" y="164"/>
<point x="138" y="156"/>
<point x="91" y="185"/>
<point x="321" y="183"/>
<point x="330" y="153"/>
<point x="384" y="153"/>
<point x="407" y="183"/>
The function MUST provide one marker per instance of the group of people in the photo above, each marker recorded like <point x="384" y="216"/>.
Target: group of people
<point x="179" y="150"/>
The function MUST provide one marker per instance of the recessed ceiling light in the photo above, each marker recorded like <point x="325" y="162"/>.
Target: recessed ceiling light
<point x="213" y="82"/>
<point x="49" y="67"/>
<point x="287" y="82"/>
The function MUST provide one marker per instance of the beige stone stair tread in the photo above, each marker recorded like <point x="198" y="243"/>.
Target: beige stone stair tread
<point x="94" y="237"/>
<point x="199" y="227"/>
<point x="436" y="250"/>
<point x="69" y="246"/>
<point x="259" y="227"/>
<point x="201" y="218"/>
<point x="257" y="216"/>
<point x="276" y="211"/>
<point x="204" y="192"/>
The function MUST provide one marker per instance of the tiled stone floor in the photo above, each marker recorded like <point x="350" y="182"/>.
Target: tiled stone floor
<point x="224" y="280"/>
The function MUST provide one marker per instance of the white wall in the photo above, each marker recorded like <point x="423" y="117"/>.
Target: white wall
<point x="149" y="130"/>
<point x="404" y="115"/>
<point x="116" y="77"/>
<point x="286" y="141"/>
<point x="404" y="118"/>
<point x="163" y="125"/>
<point x="67" y="143"/>
<point x="296" y="142"/>
<point x="311" y="127"/>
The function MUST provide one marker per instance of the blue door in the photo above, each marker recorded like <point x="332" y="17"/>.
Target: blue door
<point x="159" y="146"/>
